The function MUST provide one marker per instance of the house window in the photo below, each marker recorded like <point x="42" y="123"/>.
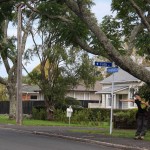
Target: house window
<point x="86" y="96"/>
<point x="33" y="97"/>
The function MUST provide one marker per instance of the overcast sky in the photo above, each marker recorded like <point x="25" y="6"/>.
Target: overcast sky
<point x="101" y="8"/>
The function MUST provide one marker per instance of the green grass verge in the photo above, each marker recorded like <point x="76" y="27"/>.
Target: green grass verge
<point x="103" y="128"/>
<point x="116" y="132"/>
<point x="4" y="119"/>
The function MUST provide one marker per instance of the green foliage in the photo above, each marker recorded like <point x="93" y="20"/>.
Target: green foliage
<point x="3" y="93"/>
<point x="112" y="28"/>
<point x="125" y="119"/>
<point x="68" y="101"/>
<point x="60" y="115"/>
<point x="61" y="72"/>
<point x="87" y="71"/>
<point x="128" y="19"/>
<point x="144" y="91"/>
<point x="5" y="12"/>
<point x="92" y="117"/>
<point x="39" y="114"/>
<point x="128" y="115"/>
<point x="63" y="21"/>
<point x="84" y="116"/>
<point x="143" y="44"/>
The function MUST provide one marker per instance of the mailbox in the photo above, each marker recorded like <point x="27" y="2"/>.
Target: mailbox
<point x="69" y="111"/>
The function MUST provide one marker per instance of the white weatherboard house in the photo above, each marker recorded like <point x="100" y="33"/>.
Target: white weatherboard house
<point x="86" y="96"/>
<point x="124" y="87"/>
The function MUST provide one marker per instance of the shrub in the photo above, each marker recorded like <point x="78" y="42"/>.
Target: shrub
<point x="39" y="113"/>
<point x="125" y="119"/>
<point x="94" y="117"/>
<point x="60" y="115"/>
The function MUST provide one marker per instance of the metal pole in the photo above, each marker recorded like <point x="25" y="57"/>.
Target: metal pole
<point x="112" y="104"/>
<point x="69" y="120"/>
<point x="19" y="70"/>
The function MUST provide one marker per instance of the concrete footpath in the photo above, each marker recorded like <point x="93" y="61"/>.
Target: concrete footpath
<point x="71" y="134"/>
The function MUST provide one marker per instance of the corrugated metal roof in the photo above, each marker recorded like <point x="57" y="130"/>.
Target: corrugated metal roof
<point x="109" y="90"/>
<point x="82" y="87"/>
<point x="30" y="88"/>
<point x="120" y="76"/>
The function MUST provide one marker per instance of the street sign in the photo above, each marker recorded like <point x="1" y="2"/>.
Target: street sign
<point x="103" y="64"/>
<point x="112" y="69"/>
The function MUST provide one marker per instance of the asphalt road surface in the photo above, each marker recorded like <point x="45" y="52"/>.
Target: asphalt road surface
<point x="12" y="140"/>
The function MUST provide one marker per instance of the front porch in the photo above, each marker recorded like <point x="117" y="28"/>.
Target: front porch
<point x="119" y="92"/>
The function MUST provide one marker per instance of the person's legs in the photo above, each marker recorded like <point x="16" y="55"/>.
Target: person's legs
<point x="139" y="121"/>
<point x="144" y="126"/>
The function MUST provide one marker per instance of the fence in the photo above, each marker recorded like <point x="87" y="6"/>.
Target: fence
<point x="26" y="106"/>
<point x="4" y="107"/>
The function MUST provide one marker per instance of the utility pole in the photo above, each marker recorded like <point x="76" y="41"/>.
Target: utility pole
<point x="19" y="68"/>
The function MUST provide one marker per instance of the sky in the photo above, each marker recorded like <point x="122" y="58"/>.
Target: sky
<point x="100" y="9"/>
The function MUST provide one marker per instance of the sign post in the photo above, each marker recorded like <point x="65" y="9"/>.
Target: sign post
<point x="112" y="70"/>
<point x="69" y="113"/>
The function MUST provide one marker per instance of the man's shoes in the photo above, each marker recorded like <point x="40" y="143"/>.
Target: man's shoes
<point x="136" y="137"/>
<point x="141" y="137"/>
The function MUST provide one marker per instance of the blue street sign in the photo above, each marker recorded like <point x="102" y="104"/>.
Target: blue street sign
<point x="112" y="69"/>
<point x="103" y="64"/>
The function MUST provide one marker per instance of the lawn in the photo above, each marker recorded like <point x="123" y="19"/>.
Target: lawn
<point x="4" y="119"/>
<point x="116" y="132"/>
<point x="103" y="128"/>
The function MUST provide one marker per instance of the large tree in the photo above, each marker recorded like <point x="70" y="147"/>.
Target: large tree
<point x="61" y="68"/>
<point x="134" y="17"/>
<point x="8" y="50"/>
<point x="78" y="26"/>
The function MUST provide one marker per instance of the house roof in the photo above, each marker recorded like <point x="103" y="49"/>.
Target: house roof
<point x="115" y="89"/>
<point x="82" y="87"/>
<point x="30" y="88"/>
<point x="121" y="76"/>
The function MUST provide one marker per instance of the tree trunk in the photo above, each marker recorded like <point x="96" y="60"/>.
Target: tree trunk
<point x="12" y="104"/>
<point x="12" y="107"/>
<point x="49" y="110"/>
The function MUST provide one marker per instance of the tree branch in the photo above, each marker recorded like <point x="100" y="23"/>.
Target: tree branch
<point x="26" y="31"/>
<point x="87" y="17"/>
<point x="89" y="49"/>
<point x="63" y="18"/>
<point x="140" y="13"/>
<point x="4" y="57"/>
<point x="132" y="37"/>
<point x="35" y="45"/>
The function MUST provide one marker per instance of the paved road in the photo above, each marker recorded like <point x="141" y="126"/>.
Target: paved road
<point x="12" y="140"/>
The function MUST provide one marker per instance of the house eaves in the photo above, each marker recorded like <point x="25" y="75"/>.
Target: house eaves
<point x="109" y="90"/>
